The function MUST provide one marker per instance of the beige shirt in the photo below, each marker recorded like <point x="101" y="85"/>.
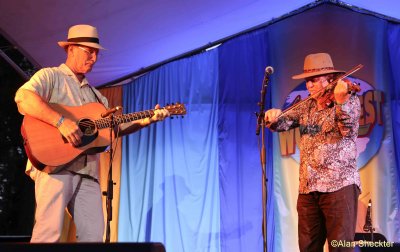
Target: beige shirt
<point x="60" y="85"/>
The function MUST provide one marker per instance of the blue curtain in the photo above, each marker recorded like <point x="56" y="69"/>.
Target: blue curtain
<point x="393" y="36"/>
<point x="176" y="174"/>
<point x="169" y="178"/>
<point x="242" y="65"/>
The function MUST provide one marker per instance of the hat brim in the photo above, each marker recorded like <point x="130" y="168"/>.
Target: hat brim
<point x="63" y="44"/>
<point x="306" y="75"/>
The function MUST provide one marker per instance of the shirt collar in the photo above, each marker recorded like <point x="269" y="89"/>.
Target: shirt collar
<point x="66" y="70"/>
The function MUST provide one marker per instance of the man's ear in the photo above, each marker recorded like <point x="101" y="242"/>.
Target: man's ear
<point x="69" y="49"/>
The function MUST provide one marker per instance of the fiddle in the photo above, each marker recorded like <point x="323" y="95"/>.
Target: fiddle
<point x="325" y="96"/>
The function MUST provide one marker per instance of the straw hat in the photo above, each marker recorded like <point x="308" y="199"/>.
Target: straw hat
<point x="82" y="35"/>
<point x="317" y="64"/>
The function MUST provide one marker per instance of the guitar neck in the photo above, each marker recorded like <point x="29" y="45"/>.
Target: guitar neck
<point x="106" y="122"/>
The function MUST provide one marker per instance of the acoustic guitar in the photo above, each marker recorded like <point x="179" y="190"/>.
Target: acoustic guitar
<point x="45" y="146"/>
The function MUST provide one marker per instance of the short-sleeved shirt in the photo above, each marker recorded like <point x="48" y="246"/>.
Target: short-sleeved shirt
<point x="60" y="85"/>
<point x="328" y="150"/>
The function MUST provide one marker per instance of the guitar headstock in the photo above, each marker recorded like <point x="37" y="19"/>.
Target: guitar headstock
<point x="176" y="109"/>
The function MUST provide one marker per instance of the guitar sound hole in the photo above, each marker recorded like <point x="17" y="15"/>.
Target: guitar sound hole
<point x="89" y="131"/>
<point x="87" y="127"/>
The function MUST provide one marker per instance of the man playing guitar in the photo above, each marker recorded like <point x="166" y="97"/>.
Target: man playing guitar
<point x="73" y="185"/>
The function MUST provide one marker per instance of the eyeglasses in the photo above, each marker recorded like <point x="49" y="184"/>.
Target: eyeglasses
<point x="92" y="52"/>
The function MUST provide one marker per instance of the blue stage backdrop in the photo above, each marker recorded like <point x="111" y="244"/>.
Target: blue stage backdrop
<point x="169" y="179"/>
<point x="194" y="184"/>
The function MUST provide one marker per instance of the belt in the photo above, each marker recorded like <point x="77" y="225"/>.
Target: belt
<point x="85" y="176"/>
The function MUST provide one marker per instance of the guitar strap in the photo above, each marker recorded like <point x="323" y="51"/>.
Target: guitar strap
<point x="99" y="101"/>
<point x="97" y="97"/>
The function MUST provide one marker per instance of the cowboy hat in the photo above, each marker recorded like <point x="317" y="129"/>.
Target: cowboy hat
<point x="82" y="35"/>
<point x="317" y="64"/>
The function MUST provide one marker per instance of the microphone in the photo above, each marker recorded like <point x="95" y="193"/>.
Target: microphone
<point x="260" y="116"/>
<point x="269" y="70"/>
<point x="368" y="223"/>
<point x="110" y="111"/>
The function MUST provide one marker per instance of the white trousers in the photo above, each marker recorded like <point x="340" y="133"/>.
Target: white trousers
<point x="81" y="196"/>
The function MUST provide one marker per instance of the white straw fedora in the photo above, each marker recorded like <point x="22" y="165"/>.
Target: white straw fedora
<point x="82" y="35"/>
<point x="317" y="64"/>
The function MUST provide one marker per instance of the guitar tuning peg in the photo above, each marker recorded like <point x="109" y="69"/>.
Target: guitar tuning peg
<point x="182" y="116"/>
<point x="171" y="117"/>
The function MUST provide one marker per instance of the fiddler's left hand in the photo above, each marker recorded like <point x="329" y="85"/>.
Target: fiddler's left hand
<point x="341" y="92"/>
<point x="159" y="114"/>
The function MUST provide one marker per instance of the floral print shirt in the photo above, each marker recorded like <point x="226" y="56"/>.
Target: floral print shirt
<point x="328" y="148"/>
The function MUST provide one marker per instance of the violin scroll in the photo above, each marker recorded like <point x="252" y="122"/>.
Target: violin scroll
<point x="353" y="87"/>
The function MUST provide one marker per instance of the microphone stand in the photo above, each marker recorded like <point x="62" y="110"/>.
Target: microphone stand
<point x="264" y="179"/>
<point x="110" y="184"/>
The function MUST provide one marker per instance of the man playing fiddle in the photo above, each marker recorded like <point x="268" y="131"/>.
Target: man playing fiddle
<point x="329" y="180"/>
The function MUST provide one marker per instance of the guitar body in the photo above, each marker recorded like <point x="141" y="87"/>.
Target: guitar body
<point x="45" y="146"/>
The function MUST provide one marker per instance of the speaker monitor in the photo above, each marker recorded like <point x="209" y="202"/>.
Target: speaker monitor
<point x="82" y="247"/>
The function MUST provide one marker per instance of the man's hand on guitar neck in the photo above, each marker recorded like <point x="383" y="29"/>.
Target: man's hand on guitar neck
<point x="159" y="115"/>
<point x="70" y="130"/>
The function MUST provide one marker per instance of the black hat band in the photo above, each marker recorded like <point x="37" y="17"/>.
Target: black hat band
<point x="84" y="39"/>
